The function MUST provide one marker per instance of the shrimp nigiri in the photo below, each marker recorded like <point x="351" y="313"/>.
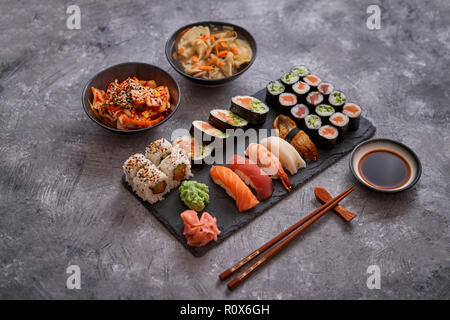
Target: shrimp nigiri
<point x="269" y="163"/>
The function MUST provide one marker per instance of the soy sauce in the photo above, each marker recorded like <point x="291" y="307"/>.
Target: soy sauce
<point x="384" y="169"/>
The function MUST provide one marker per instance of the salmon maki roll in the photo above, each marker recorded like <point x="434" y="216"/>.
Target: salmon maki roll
<point x="234" y="186"/>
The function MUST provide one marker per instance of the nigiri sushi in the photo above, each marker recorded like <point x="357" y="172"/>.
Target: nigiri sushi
<point x="252" y="175"/>
<point x="234" y="186"/>
<point x="285" y="152"/>
<point x="199" y="232"/>
<point x="267" y="161"/>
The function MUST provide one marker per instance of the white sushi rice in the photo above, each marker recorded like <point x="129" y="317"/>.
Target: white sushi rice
<point x="157" y="150"/>
<point x="132" y="165"/>
<point x="146" y="178"/>
<point x="177" y="157"/>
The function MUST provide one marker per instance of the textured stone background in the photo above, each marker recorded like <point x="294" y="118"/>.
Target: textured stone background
<point x="62" y="203"/>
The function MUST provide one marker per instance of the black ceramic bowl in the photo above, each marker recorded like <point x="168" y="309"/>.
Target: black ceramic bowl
<point x="142" y="71"/>
<point x="408" y="155"/>
<point x="242" y="34"/>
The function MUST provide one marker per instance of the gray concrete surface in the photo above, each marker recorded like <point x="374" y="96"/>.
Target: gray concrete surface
<point x="62" y="203"/>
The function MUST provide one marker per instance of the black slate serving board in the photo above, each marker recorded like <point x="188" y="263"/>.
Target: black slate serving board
<point x="223" y="207"/>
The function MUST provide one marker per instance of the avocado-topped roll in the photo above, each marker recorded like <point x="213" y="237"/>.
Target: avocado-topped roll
<point x="337" y="99"/>
<point x="289" y="79"/>
<point x="312" y="125"/>
<point x="354" y="113"/>
<point x="301" y="89"/>
<point x="324" y="111"/>
<point x="249" y="108"/>
<point x="314" y="98"/>
<point x="300" y="70"/>
<point x="206" y="133"/>
<point x="158" y="150"/>
<point x="312" y="80"/>
<point x="177" y="167"/>
<point x="287" y="101"/>
<point x="225" y="119"/>
<point x="150" y="183"/>
<point x="273" y="91"/>
<point x="340" y="121"/>
<point x="195" y="150"/>
<point x="325" y="88"/>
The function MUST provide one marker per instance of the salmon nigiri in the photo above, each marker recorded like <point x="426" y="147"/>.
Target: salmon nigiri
<point x="234" y="186"/>
<point x="269" y="163"/>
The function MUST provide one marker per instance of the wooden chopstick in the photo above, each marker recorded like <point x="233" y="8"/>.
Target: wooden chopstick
<point x="227" y="273"/>
<point x="301" y="225"/>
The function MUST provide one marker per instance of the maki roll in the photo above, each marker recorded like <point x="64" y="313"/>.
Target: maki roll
<point x="314" y="98"/>
<point x="289" y="79"/>
<point x="150" y="183"/>
<point x="195" y="150"/>
<point x="132" y="165"/>
<point x="273" y="91"/>
<point x="312" y="125"/>
<point x="206" y="133"/>
<point x="299" y="112"/>
<point x="301" y="89"/>
<point x="354" y="114"/>
<point x="249" y="108"/>
<point x="312" y="80"/>
<point x="337" y="99"/>
<point x="328" y="136"/>
<point x="176" y="166"/>
<point x="158" y="150"/>
<point x="225" y="119"/>
<point x="300" y="70"/>
<point x="286" y="102"/>
<point x="340" y="121"/>
<point x="324" y="111"/>
<point x="325" y="88"/>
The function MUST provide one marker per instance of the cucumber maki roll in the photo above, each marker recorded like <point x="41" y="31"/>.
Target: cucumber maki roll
<point x="300" y="70"/>
<point x="327" y="136"/>
<point x="301" y="90"/>
<point x="325" y="88"/>
<point x="206" y="133"/>
<point x="299" y="112"/>
<point x="289" y="79"/>
<point x="225" y="119"/>
<point x="249" y="108"/>
<point x="324" y="111"/>
<point x="312" y="125"/>
<point x="314" y="98"/>
<point x="354" y="114"/>
<point x="312" y="80"/>
<point x="286" y="102"/>
<point x="273" y="91"/>
<point x="340" y="121"/>
<point x="337" y="99"/>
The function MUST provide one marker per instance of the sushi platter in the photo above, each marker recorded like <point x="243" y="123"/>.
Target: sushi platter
<point x="208" y="181"/>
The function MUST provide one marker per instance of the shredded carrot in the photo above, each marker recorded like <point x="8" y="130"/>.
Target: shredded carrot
<point x="220" y="63"/>
<point x="182" y="33"/>
<point x="180" y="51"/>
<point x="194" y="59"/>
<point x="142" y="123"/>
<point x="234" y="50"/>
<point x="205" y="68"/>
<point x="216" y="48"/>
<point x="222" y="53"/>
<point x="212" y="38"/>
<point x="208" y="52"/>
<point x="223" y="44"/>
<point x="212" y="61"/>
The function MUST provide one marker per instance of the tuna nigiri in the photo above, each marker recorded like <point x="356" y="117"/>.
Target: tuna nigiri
<point x="252" y="175"/>
<point x="234" y="186"/>
<point x="269" y="163"/>
<point x="199" y="232"/>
